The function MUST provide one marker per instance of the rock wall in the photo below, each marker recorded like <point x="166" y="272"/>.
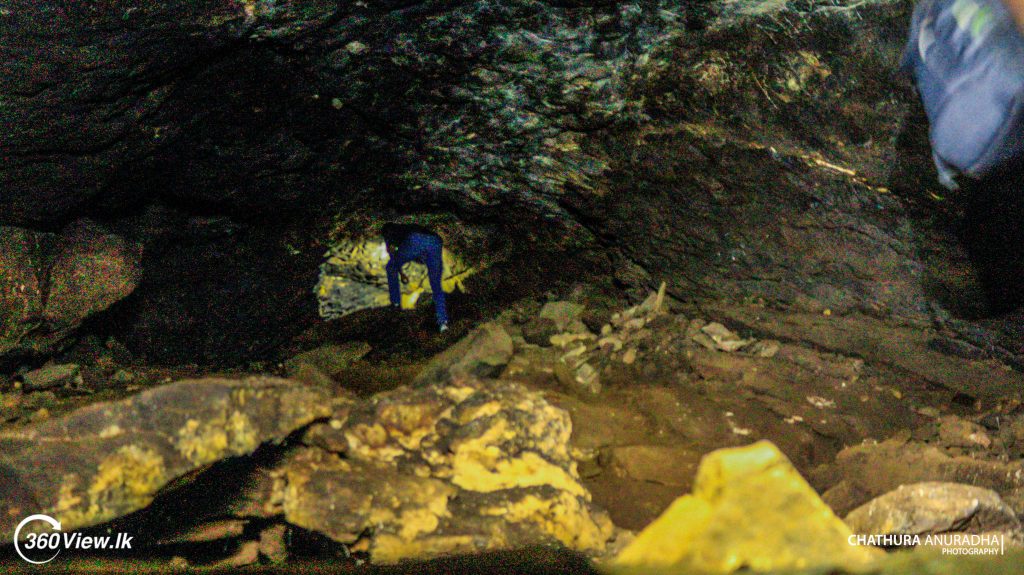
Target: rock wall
<point x="92" y="90"/>
<point x="654" y="140"/>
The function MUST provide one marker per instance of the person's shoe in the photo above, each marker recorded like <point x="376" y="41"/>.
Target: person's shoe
<point x="443" y="328"/>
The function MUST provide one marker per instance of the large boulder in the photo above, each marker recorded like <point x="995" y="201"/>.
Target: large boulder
<point x="442" y="469"/>
<point x="50" y="283"/>
<point x="92" y="270"/>
<point x="750" y="508"/>
<point x="482" y="353"/>
<point x="932" y="508"/>
<point x="110" y="459"/>
<point x="864" y="472"/>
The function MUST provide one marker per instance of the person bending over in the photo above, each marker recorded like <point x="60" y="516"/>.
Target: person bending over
<point x="412" y="243"/>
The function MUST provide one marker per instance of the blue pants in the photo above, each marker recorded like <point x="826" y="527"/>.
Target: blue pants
<point x="425" y="249"/>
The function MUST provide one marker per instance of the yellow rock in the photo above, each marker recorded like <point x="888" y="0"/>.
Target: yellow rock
<point x="206" y="442"/>
<point x="472" y="472"/>
<point x="750" y="508"/>
<point x="126" y="478"/>
<point x="445" y="469"/>
<point x="562" y="516"/>
<point x="409" y="298"/>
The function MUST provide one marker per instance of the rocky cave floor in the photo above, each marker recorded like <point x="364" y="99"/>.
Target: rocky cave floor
<point x="859" y="406"/>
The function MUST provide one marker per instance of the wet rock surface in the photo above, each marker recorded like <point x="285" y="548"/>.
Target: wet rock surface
<point x="657" y="134"/>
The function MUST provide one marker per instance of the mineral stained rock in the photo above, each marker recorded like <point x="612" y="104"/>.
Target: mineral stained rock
<point x="109" y="459"/>
<point x="934" y="507"/>
<point x="749" y="508"/>
<point x="485" y="102"/>
<point x="465" y="466"/>
<point x="50" y="283"/>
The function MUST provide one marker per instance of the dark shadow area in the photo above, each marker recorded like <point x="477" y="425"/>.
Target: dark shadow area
<point x="528" y="561"/>
<point x="533" y="561"/>
<point x="993" y="235"/>
<point x="236" y="202"/>
<point x="215" y="292"/>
